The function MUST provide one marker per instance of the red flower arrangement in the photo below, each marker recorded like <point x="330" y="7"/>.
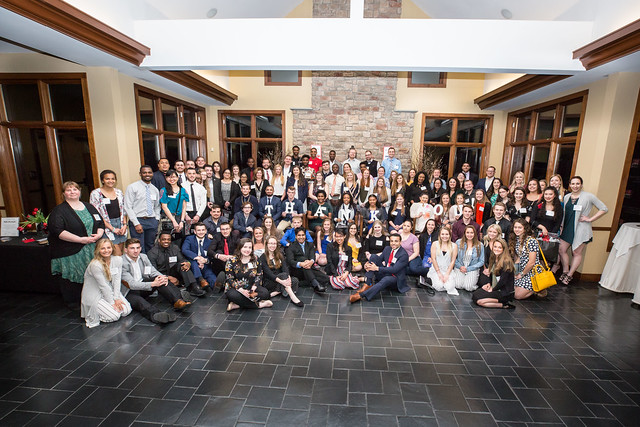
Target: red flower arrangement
<point x="34" y="221"/>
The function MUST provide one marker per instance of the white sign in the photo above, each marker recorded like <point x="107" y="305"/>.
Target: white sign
<point x="10" y="227"/>
<point x="319" y="148"/>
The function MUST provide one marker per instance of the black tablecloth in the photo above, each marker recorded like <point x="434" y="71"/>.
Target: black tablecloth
<point x="26" y="267"/>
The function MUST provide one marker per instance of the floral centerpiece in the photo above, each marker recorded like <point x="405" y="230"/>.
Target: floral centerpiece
<point x="36" y="222"/>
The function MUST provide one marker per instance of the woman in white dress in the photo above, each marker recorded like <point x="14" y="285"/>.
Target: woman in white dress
<point x="469" y="261"/>
<point x="443" y="257"/>
<point x="101" y="298"/>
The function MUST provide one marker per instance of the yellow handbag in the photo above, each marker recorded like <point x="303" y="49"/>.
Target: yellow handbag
<point x="543" y="277"/>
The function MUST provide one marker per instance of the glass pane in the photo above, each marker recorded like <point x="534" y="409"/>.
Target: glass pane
<point x="631" y="203"/>
<point x="238" y="153"/>
<point x="471" y="130"/>
<point x="269" y="126"/>
<point x="523" y="124"/>
<point x="284" y="76"/>
<point x="22" y="102"/>
<point x="66" y="102"/>
<point x="172" y="149"/>
<point x="473" y="156"/>
<point x="33" y="169"/>
<point x="438" y="130"/>
<point x="147" y="112"/>
<point x="539" y="161"/>
<point x="425" y="78"/>
<point x="193" y="149"/>
<point x="564" y="161"/>
<point x="151" y="150"/>
<point x="544" y="128"/>
<point x="571" y="119"/>
<point x="434" y="158"/>
<point x="271" y="150"/>
<point x="189" y="122"/>
<point x="238" y="126"/>
<point x="517" y="160"/>
<point x="169" y="118"/>
<point x="75" y="159"/>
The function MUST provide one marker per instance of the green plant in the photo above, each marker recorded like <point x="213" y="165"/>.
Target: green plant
<point x="32" y="221"/>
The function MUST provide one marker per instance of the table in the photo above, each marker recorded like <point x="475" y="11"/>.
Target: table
<point x="622" y="271"/>
<point x="26" y="267"/>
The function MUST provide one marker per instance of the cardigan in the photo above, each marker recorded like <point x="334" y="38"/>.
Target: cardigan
<point x="477" y="258"/>
<point x="64" y="218"/>
<point x="333" y="259"/>
<point x="582" y="231"/>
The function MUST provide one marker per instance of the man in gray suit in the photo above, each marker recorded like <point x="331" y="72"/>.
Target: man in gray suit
<point x="140" y="279"/>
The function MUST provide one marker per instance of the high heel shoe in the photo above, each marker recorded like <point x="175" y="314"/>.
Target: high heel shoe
<point x="297" y="304"/>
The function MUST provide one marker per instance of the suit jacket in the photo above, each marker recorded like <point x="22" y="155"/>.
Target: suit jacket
<point x="162" y="259"/>
<point x="333" y="259"/>
<point x="241" y="223"/>
<point x="397" y="268"/>
<point x="276" y="210"/>
<point x="190" y="247"/>
<point x="481" y="182"/>
<point x="217" y="248"/>
<point x="147" y="269"/>
<point x="473" y="177"/>
<point x="303" y="191"/>
<point x="295" y="254"/>
<point x="237" y="205"/>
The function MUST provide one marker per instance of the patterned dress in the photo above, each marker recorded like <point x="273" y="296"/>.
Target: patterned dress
<point x="72" y="267"/>
<point x="350" y="282"/>
<point x="522" y="252"/>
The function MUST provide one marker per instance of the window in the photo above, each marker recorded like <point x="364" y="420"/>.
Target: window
<point x="283" y="78"/>
<point x="255" y="134"/>
<point x="448" y="141"/>
<point x="169" y="127"/>
<point x="45" y="139"/>
<point x="426" y="79"/>
<point x="543" y="140"/>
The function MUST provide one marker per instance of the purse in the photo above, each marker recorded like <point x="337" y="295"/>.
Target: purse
<point x="543" y="277"/>
<point x="549" y="247"/>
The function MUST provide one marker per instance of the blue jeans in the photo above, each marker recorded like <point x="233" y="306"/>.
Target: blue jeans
<point x="148" y="236"/>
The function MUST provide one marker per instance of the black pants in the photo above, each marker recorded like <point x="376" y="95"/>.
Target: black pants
<point x="138" y="299"/>
<point x="273" y="286"/>
<point x="309" y="274"/>
<point x="71" y="291"/>
<point x="185" y="277"/>
<point x="244" y="302"/>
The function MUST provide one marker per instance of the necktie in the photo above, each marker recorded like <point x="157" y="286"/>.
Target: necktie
<point x="199" y="247"/>
<point x="390" y="258"/>
<point x="268" y="175"/>
<point x="333" y="186"/>
<point x="193" y="199"/>
<point x="149" y="204"/>
<point x="226" y="247"/>
<point x="268" y="200"/>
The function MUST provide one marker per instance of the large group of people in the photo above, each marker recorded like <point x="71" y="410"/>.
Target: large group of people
<point x="255" y="232"/>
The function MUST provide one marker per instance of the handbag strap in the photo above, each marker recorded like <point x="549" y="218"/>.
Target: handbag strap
<point x="543" y="258"/>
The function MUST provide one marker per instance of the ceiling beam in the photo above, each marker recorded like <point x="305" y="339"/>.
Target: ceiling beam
<point x="200" y="84"/>
<point x="518" y="87"/>
<point x="621" y="42"/>
<point x="73" y="22"/>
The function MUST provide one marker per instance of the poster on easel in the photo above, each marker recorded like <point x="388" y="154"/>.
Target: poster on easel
<point x="9" y="227"/>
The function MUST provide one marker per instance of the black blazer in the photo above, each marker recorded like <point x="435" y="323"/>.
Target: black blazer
<point x="217" y="247"/>
<point x="64" y="218"/>
<point x="217" y="191"/>
<point x="333" y="258"/>
<point x="235" y="192"/>
<point x="272" y="273"/>
<point x="296" y="255"/>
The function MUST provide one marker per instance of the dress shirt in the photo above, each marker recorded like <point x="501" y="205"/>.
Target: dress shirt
<point x="200" y="197"/>
<point x="268" y="174"/>
<point x="391" y="165"/>
<point x="354" y="163"/>
<point x="333" y="185"/>
<point x="135" y="269"/>
<point x="135" y="201"/>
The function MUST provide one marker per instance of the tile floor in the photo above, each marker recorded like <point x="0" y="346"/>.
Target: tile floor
<point x="573" y="359"/>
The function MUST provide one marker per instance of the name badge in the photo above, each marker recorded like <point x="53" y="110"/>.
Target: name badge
<point x="378" y="243"/>
<point x="481" y="208"/>
<point x="550" y="213"/>
<point x="358" y="245"/>
<point x="344" y="258"/>
<point x="218" y="229"/>
<point x="97" y="217"/>
<point x="173" y="259"/>
<point x="253" y="187"/>
<point x="106" y="201"/>
<point x="577" y="208"/>
<point x="423" y="188"/>
<point x="394" y="260"/>
<point x="502" y="235"/>
<point x="147" y="270"/>
<point x="173" y="196"/>
<point x="250" y="265"/>
<point x="152" y="196"/>
<point x="523" y="210"/>
<point x="114" y="270"/>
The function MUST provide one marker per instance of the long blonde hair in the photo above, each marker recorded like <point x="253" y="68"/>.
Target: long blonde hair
<point x="496" y="227"/>
<point x="503" y="262"/>
<point x="100" y="259"/>
<point x="281" y="174"/>
<point x="278" y="259"/>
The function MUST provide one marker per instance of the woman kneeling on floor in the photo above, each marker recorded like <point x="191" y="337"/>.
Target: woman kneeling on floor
<point x="243" y="287"/>
<point x="499" y="291"/>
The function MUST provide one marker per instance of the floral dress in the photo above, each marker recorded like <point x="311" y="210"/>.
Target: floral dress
<point x="72" y="267"/>
<point x="242" y="276"/>
<point x="522" y="252"/>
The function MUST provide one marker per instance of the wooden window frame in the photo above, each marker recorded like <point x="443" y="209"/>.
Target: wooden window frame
<point x="554" y="142"/>
<point x="10" y="187"/>
<point x="222" y="129"/>
<point x="158" y="99"/>
<point x="269" y="82"/>
<point x="454" y="144"/>
<point x="441" y="84"/>
<point x="633" y="138"/>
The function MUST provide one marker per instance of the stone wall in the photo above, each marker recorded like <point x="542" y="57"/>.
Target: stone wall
<point x="331" y="8"/>
<point x="383" y="9"/>
<point x="354" y="108"/>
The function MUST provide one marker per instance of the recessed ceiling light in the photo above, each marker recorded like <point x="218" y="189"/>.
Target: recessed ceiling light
<point x="506" y="14"/>
<point x="212" y="12"/>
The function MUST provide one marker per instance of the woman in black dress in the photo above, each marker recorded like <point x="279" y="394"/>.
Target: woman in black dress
<point x="277" y="279"/>
<point x="499" y="291"/>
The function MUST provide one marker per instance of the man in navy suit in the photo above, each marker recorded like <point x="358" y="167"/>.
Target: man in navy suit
<point x="195" y="249"/>
<point x="466" y="170"/>
<point x="270" y="205"/>
<point x="244" y="222"/>
<point x="246" y="196"/>
<point x="486" y="182"/>
<point x="385" y="270"/>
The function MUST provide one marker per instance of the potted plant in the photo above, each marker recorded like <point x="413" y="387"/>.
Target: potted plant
<point x="35" y="223"/>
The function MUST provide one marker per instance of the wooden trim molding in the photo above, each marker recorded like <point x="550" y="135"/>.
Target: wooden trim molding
<point x="269" y="82"/>
<point x="442" y="82"/>
<point x="621" y="42"/>
<point x="200" y="84"/>
<point x="516" y="88"/>
<point x="73" y="22"/>
<point x="589" y="277"/>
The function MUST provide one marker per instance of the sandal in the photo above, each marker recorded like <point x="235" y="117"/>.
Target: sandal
<point x="562" y="278"/>
<point x="565" y="279"/>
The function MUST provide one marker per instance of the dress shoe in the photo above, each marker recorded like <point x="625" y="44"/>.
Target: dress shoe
<point x="363" y="288"/>
<point x="203" y="283"/>
<point x="196" y="291"/>
<point x="355" y="298"/>
<point x="319" y="289"/>
<point x="297" y="304"/>
<point x="163" y="317"/>
<point x="181" y="304"/>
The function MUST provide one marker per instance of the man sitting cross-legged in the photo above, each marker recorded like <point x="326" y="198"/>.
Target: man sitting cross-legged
<point x="140" y="279"/>
<point x="301" y="260"/>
